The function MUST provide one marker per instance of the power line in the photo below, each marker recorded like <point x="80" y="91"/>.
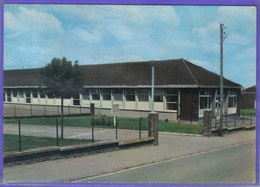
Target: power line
<point x="151" y="20"/>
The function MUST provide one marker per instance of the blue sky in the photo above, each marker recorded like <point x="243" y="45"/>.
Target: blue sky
<point x="93" y="34"/>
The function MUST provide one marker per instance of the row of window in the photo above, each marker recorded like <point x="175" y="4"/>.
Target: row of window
<point x="206" y="99"/>
<point x="130" y="94"/>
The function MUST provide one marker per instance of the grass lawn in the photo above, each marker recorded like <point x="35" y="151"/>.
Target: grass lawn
<point x="124" y="123"/>
<point x="248" y="112"/>
<point x="11" y="142"/>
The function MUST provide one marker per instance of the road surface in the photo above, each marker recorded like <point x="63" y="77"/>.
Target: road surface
<point x="234" y="164"/>
<point x="214" y="150"/>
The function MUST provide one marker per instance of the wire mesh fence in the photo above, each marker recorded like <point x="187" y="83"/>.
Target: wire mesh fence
<point x="26" y="133"/>
<point x="234" y="120"/>
<point x="17" y="110"/>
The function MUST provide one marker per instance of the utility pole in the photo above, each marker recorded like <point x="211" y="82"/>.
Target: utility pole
<point x="222" y="37"/>
<point x="152" y="108"/>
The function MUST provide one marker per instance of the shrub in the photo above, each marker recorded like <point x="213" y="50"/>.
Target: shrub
<point x="102" y="120"/>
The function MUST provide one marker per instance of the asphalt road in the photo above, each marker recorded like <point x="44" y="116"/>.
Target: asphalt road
<point x="234" y="164"/>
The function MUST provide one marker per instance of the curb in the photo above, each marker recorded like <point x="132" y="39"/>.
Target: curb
<point x="55" y="152"/>
<point x="181" y="134"/>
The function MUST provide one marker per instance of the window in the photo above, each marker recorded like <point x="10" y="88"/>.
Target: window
<point x="35" y="93"/>
<point x="171" y="99"/>
<point x="143" y="95"/>
<point x="85" y="94"/>
<point x="130" y="95"/>
<point x="14" y="93"/>
<point x="28" y="96"/>
<point x="76" y="100"/>
<point x="42" y="94"/>
<point x="20" y="94"/>
<point x="106" y="93"/>
<point x="96" y="94"/>
<point x="232" y="100"/>
<point x="8" y="93"/>
<point x="205" y="100"/>
<point x="158" y="95"/>
<point x="118" y="94"/>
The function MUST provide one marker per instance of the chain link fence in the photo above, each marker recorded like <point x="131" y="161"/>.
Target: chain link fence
<point x="33" y="132"/>
<point x="17" y="110"/>
<point x="234" y="120"/>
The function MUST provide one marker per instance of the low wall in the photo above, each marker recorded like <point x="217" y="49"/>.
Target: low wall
<point x="55" y="152"/>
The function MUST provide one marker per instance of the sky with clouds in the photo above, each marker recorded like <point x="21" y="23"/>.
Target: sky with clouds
<point x="93" y="34"/>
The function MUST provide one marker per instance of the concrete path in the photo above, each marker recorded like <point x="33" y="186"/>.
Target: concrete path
<point x="79" y="168"/>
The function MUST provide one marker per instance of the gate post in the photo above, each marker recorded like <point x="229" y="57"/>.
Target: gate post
<point x="207" y="116"/>
<point x="153" y="126"/>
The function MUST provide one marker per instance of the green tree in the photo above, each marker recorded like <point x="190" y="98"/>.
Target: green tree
<point x="63" y="80"/>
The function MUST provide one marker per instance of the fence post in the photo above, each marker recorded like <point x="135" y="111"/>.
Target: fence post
<point x="215" y="122"/>
<point x="250" y="119"/>
<point x="140" y="124"/>
<point x="57" y="133"/>
<point x="92" y="128"/>
<point x="226" y="119"/>
<point x="20" y="142"/>
<point x="14" y="111"/>
<point x="243" y="118"/>
<point x="116" y="128"/>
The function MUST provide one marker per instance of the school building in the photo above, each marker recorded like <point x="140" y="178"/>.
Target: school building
<point x="182" y="89"/>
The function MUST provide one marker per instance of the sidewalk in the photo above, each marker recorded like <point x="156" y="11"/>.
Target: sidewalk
<point x="170" y="146"/>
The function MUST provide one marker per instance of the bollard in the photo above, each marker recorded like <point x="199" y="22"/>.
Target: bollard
<point x="20" y="141"/>
<point x="57" y="133"/>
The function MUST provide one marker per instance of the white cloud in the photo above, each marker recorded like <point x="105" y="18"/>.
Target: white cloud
<point x="85" y="35"/>
<point x="147" y="14"/>
<point x="125" y="58"/>
<point x="30" y="20"/>
<point x="204" y="64"/>
<point x="184" y="44"/>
